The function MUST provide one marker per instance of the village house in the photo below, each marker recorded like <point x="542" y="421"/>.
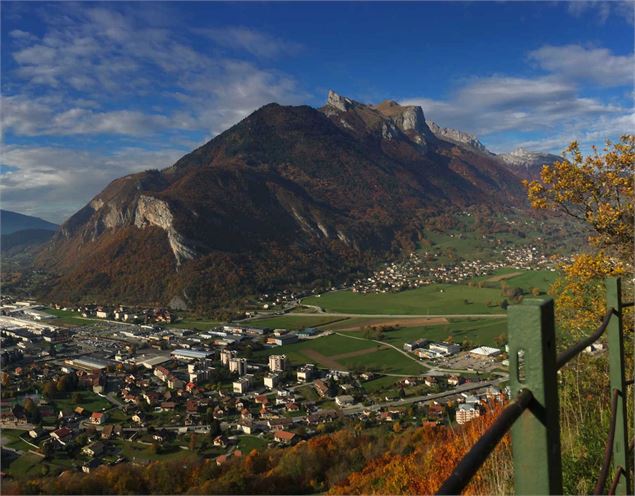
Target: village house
<point x="284" y="437"/>
<point x="63" y="435"/>
<point x="98" y="418"/>
<point x="93" y="449"/>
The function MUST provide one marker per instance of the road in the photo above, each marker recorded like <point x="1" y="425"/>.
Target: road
<point x="354" y="410"/>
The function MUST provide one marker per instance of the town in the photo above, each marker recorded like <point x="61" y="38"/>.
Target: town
<point x="422" y="269"/>
<point x="129" y="386"/>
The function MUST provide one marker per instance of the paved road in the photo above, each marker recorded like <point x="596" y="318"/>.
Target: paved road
<point x="353" y="410"/>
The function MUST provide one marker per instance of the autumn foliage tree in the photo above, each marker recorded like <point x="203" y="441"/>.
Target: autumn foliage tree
<point x="596" y="190"/>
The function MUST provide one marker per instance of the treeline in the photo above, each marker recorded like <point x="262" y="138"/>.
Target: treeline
<point x="351" y="460"/>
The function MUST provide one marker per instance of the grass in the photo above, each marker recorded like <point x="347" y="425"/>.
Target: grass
<point x="308" y="392"/>
<point x="89" y="400"/>
<point x="203" y="325"/>
<point x="26" y="465"/>
<point x="378" y="360"/>
<point x="294" y="322"/>
<point x="248" y="443"/>
<point x="438" y="299"/>
<point x="379" y="384"/>
<point x="385" y="360"/>
<point x="327" y="345"/>
<point x="69" y="318"/>
<point x="482" y="332"/>
<point x="11" y="439"/>
<point x="137" y="451"/>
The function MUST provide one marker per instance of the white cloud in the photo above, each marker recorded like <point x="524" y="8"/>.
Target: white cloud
<point x="101" y="55"/>
<point x="595" y="65"/>
<point x="602" y="10"/>
<point x="495" y="104"/>
<point x="53" y="182"/>
<point x="254" y="42"/>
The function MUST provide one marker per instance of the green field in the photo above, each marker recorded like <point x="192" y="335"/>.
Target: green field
<point x="11" y="439"/>
<point x="379" y="384"/>
<point x="436" y="299"/>
<point x="439" y="299"/>
<point x="328" y="346"/>
<point x="376" y="359"/>
<point x="202" y="325"/>
<point x="386" y="360"/>
<point x="27" y="465"/>
<point x="248" y="443"/>
<point x="481" y="332"/>
<point x="89" y="400"/>
<point x="137" y="451"/>
<point x="294" y="321"/>
<point x="69" y="318"/>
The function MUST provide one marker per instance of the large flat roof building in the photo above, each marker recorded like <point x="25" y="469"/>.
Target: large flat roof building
<point x="191" y="354"/>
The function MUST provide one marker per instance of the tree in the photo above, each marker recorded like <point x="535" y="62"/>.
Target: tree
<point x="193" y="441"/>
<point x="596" y="189"/>
<point x="49" y="390"/>
<point x="535" y="291"/>
<point x="214" y="428"/>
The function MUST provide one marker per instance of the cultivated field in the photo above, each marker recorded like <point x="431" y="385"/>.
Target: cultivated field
<point x="341" y="352"/>
<point x="436" y="299"/>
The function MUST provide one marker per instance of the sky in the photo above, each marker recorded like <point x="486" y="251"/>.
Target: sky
<point x="92" y="91"/>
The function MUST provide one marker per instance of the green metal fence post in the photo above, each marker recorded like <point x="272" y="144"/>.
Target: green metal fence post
<point x="532" y="365"/>
<point x="615" y="337"/>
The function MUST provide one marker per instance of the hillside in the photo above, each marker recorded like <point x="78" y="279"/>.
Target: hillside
<point x="11" y="222"/>
<point x="290" y="196"/>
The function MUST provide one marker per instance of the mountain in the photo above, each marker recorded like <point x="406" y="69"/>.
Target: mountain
<point x="11" y="222"/>
<point x="527" y="164"/>
<point x="288" y="197"/>
<point x="19" y="241"/>
<point x="458" y="137"/>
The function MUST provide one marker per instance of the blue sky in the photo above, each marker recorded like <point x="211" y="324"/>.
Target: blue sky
<point x="92" y="91"/>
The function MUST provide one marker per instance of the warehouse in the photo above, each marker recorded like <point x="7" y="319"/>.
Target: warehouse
<point x="191" y="354"/>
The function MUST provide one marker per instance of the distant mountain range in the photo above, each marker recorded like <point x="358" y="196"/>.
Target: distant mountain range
<point x="11" y="222"/>
<point x="290" y="196"/>
<point x="19" y="232"/>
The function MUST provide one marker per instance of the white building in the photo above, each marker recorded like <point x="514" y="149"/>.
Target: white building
<point x="226" y="355"/>
<point x="467" y="412"/>
<point x="305" y="373"/>
<point x="271" y="380"/>
<point x="242" y="385"/>
<point x="485" y="351"/>
<point x="445" y="348"/>
<point x="238" y="365"/>
<point x="277" y="363"/>
<point x="344" y="399"/>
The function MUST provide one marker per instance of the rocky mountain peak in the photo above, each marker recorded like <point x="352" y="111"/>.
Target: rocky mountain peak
<point x="456" y="136"/>
<point x="340" y="102"/>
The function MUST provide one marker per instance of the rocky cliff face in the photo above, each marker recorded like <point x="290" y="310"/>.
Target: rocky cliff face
<point x="289" y="196"/>
<point x="458" y="137"/>
<point x="527" y="164"/>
